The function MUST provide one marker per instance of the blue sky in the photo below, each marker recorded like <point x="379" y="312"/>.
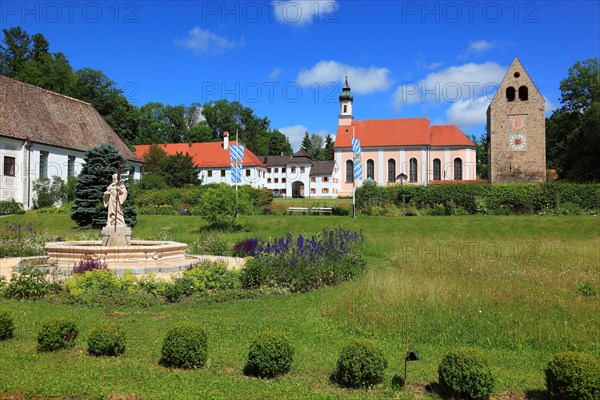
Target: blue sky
<point x="287" y="59"/>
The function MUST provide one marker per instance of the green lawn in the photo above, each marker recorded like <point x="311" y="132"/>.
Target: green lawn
<point x="505" y="284"/>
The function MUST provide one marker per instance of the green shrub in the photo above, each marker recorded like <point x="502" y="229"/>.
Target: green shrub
<point x="185" y="346"/>
<point x="361" y="364"/>
<point x="218" y="205"/>
<point x="467" y="373"/>
<point x="28" y="283"/>
<point x="106" y="340"/>
<point x="57" y="334"/>
<point x="573" y="376"/>
<point x="471" y="198"/>
<point x="10" y="207"/>
<point x="7" y="326"/>
<point x="271" y="354"/>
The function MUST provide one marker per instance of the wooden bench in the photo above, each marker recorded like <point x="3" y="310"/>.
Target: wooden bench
<point x="321" y="210"/>
<point x="294" y="210"/>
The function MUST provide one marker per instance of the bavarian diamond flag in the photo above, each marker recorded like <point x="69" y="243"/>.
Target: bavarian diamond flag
<point x="236" y="154"/>
<point x="357" y="158"/>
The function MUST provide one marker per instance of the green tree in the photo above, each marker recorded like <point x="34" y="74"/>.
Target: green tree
<point x="88" y="208"/>
<point x="573" y="131"/>
<point x="253" y="131"/>
<point x="481" y="155"/>
<point x="219" y="207"/>
<point x="179" y="170"/>
<point x="14" y="50"/>
<point x="305" y="144"/>
<point x="328" y="152"/>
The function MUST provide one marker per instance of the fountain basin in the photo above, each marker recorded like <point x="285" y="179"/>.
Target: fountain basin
<point x="139" y="254"/>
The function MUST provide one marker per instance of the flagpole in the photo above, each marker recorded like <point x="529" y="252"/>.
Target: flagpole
<point x="353" y="180"/>
<point x="236" y="181"/>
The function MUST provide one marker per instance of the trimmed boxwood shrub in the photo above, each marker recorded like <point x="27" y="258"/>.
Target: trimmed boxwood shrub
<point x="361" y="364"/>
<point x="7" y="326"/>
<point x="467" y="373"/>
<point x="57" y="334"/>
<point x="482" y="198"/>
<point x="271" y="354"/>
<point x="573" y="376"/>
<point x="185" y="346"/>
<point x="106" y="340"/>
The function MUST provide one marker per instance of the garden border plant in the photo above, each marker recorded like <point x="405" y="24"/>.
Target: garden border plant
<point x="271" y="353"/>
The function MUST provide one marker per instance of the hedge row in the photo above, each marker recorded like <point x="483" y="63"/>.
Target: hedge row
<point x="480" y="198"/>
<point x="188" y="199"/>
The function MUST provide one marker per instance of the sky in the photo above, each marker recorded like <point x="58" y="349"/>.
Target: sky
<point x="287" y="59"/>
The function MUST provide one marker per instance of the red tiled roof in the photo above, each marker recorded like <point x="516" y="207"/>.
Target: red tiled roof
<point x="400" y="132"/>
<point x="448" y="135"/>
<point x="205" y="155"/>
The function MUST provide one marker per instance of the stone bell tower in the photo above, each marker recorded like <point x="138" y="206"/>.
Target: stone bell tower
<point x="516" y="129"/>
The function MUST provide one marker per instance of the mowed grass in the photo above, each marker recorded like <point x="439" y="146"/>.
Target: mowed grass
<point x="505" y="284"/>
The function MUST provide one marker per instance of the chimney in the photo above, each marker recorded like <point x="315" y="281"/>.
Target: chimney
<point x="225" y="140"/>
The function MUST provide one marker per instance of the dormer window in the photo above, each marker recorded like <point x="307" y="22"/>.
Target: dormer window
<point x="510" y="93"/>
<point x="523" y="93"/>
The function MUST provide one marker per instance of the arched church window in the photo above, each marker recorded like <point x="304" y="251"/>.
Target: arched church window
<point x="413" y="170"/>
<point x="437" y="170"/>
<point x="510" y="93"/>
<point x="345" y="108"/>
<point x="523" y="93"/>
<point x="370" y="169"/>
<point x="457" y="169"/>
<point x="391" y="170"/>
<point x="349" y="171"/>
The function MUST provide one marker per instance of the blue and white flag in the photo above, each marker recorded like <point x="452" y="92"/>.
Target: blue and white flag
<point x="236" y="154"/>
<point x="357" y="158"/>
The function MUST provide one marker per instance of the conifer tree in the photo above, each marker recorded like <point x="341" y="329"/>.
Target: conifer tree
<point x="88" y="208"/>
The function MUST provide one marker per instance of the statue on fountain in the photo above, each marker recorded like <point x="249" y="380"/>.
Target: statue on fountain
<point x="116" y="232"/>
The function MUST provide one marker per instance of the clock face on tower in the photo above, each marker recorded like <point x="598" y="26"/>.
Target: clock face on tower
<point x="518" y="142"/>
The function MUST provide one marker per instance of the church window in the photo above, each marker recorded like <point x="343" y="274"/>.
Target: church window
<point x="457" y="169"/>
<point x="349" y="171"/>
<point x="391" y="170"/>
<point x="370" y="169"/>
<point x="71" y="167"/>
<point x="517" y="74"/>
<point x="523" y="93"/>
<point x="9" y="166"/>
<point x="510" y="93"/>
<point x="413" y="169"/>
<point x="437" y="170"/>
<point x="43" y="164"/>
<point x="345" y="108"/>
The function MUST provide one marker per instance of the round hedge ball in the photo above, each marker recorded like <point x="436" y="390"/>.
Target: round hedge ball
<point x="106" y="340"/>
<point x="467" y="373"/>
<point x="573" y="376"/>
<point x="7" y="326"/>
<point x="271" y="354"/>
<point x="57" y="334"/>
<point x="185" y="346"/>
<point x="361" y="364"/>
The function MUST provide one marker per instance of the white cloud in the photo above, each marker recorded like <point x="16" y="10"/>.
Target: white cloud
<point x="302" y="12"/>
<point x="361" y="80"/>
<point x="549" y="107"/>
<point x="467" y="114"/>
<point x="296" y="133"/>
<point x="465" y="82"/>
<point x="479" y="46"/>
<point x="274" y="74"/>
<point x="202" y="42"/>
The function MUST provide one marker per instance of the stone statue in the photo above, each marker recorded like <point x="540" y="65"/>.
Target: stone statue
<point x="114" y="197"/>
<point x="115" y="233"/>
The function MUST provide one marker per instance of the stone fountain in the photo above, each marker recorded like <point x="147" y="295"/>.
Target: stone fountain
<point x="117" y="249"/>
